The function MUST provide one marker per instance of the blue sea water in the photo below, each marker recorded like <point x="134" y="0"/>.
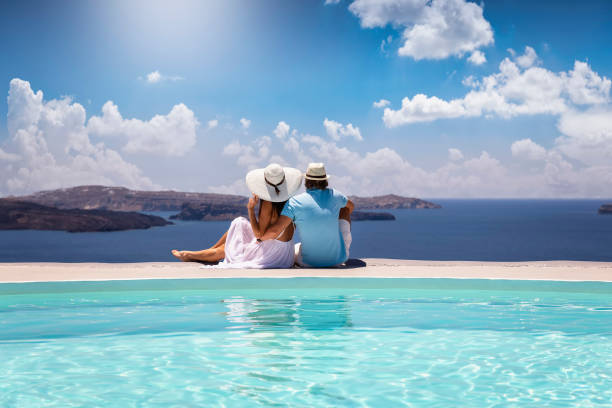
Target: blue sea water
<point x="486" y="230"/>
<point x="306" y="342"/>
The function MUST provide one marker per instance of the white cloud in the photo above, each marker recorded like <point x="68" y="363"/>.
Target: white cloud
<point x="282" y="130"/>
<point x="528" y="59"/>
<point x="550" y="173"/>
<point x="381" y="103"/>
<point x="454" y="154"/>
<point x="213" y="123"/>
<point x="433" y="29"/>
<point x="384" y="44"/>
<point x="511" y="92"/>
<point x="156" y="77"/>
<point x="527" y="148"/>
<point x="173" y="134"/>
<point x="337" y="130"/>
<point x="587" y="136"/>
<point x="585" y="87"/>
<point x="8" y="157"/>
<point x="236" y="187"/>
<point x="49" y="147"/>
<point x="331" y="2"/>
<point x="477" y="58"/>
<point x="245" y="123"/>
<point x="249" y="155"/>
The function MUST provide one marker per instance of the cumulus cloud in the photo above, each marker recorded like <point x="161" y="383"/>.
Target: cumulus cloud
<point x="282" y="130"/>
<point x="50" y="147"/>
<point x="527" y="148"/>
<point x="245" y="123"/>
<point x="587" y="136"/>
<point x="455" y="154"/>
<point x="515" y="90"/>
<point x="381" y="103"/>
<point x="435" y="29"/>
<point x="477" y="58"/>
<point x="213" y="123"/>
<point x="337" y="130"/>
<point x="173" y="134"/>
<point x="249" y="155"/>
<point x="8" y="157"/>
<point x="528" y="59"/>
<point x="236" y="187"/>
<point x="157" y="77"/>
<point x="550" y="173"/>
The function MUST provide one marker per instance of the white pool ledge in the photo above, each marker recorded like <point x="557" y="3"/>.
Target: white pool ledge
<point x="375" y="268"/>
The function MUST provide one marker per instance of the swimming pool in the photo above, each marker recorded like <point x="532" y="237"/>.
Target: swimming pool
<point x="306" y="342"/>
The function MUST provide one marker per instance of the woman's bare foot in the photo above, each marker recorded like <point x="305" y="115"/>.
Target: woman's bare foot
<point x="182" y="255"/>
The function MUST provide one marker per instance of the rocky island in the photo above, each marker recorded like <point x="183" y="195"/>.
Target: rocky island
<point x="605" y="209"/>
<point x="18" y="215"/>
<point x="116" y="208"/>
<point x="207" y="212"/>
<point x="392" y="201"/>
<point x="123" y="199"/>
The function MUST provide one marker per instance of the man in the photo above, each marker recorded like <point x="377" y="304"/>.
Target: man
<point x="325" y="239"/>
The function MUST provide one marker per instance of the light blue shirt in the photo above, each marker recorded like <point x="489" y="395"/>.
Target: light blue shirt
<point x="315" y="214"/>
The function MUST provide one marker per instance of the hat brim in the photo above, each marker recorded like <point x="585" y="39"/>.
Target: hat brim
<point x="317" y="178"/>
<point x="256" y="182"/>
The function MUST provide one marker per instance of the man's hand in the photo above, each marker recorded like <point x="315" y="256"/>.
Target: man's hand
<point x="252" y="202"/>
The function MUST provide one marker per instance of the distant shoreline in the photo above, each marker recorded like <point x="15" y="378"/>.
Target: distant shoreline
<point x="575" y="271"/>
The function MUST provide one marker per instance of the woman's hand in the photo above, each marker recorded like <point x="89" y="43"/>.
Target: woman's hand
<point x="252" y="202"/>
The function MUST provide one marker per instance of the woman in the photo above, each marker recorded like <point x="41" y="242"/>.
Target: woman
<point x="240" y="246"/>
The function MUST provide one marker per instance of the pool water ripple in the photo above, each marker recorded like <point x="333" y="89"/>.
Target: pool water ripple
<point x="301" y="348"/>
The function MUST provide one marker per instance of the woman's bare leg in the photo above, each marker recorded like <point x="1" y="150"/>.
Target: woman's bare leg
<point x="186" y="256"/>
<point x="205" y="255"/>
<point x="221" y="241"/>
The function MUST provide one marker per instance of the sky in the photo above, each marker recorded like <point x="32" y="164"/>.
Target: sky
<point x="426" y="98"/>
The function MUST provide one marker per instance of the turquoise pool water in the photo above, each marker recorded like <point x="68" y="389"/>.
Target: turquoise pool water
<point x="306" y="343"/>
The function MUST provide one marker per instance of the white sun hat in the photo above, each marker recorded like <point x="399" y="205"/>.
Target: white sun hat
<point x="274" y="183"/>
<point x="316" y="171"/>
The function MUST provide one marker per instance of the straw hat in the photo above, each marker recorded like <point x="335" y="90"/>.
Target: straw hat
<point x="274" y="183"/>
<point x="316" y="171"/>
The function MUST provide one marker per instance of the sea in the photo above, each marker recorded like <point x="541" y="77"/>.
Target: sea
<point x="476" y="230"/>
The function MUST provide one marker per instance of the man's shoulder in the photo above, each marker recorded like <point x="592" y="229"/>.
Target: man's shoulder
<point x="299" y="197"/>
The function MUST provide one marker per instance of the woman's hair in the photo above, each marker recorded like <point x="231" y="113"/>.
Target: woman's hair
<point x="318" y="184"/>
<point x="277" y="207"/>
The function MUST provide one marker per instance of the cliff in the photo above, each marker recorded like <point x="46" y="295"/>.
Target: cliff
<point x="17" y="215"/>
<point x="210" y="212"/>
<point x="605" y="209"/>
<point x="192" y="206"/>
<point x="207" y="212"/>
<point x="391" y="201"/>
<point x="123" y="199"/>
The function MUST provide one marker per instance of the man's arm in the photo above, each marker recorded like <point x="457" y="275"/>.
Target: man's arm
<point x="277" y="228"/>
<point x="346" y="211"/>
<point x="350" y="205"/>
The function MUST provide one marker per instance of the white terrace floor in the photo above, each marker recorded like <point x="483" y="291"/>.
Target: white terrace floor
<point x="370" y="268"/>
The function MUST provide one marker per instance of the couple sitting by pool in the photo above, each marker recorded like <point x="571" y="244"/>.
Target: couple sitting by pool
<point x="321" y="215"/>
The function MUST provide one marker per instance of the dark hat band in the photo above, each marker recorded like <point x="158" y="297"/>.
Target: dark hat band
<point x="316" y="177"/>
<point x="275" y="185"/>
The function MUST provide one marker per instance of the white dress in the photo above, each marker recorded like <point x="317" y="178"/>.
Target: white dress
<point x="243" y="251"/>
